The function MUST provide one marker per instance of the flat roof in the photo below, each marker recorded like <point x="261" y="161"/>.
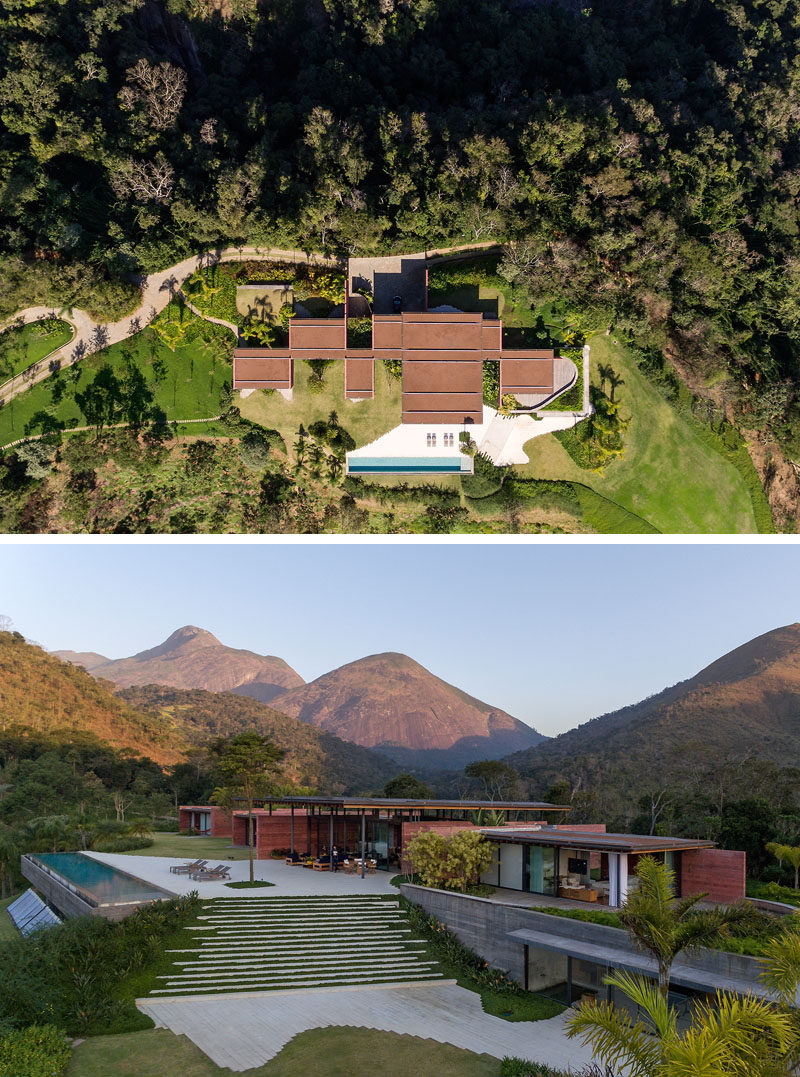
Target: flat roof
<point x="580" y="839"/>
<point x="619" y="957"/>
<point x="409" y="804"/>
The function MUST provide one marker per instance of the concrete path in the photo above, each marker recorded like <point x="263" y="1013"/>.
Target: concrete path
<point x="287" y="880"/>
<point x="246" y="1030"/>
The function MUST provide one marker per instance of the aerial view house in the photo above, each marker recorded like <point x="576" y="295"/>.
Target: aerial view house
<point x="442" y="354"/>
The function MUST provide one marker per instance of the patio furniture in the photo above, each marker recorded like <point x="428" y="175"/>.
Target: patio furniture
<point x="321" y="865"/>
<point x="187" y="869"/>
<point x="221" y="871"/>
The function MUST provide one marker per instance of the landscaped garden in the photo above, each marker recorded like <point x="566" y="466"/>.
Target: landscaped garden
<point x="23" y="345"/>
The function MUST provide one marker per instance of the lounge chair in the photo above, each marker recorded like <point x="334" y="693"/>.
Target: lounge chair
<point x="187" y="869"/>
<point x="221" y="871"/>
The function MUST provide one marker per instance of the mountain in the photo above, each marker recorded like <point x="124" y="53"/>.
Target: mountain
<point x="745" y="703"/>
<point x="40" y="692"/>
<point x="193" y="658"/>
<point x="313" y="756"/>
<point x="392" y="703"/>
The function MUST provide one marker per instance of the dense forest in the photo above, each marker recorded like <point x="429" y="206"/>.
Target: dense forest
<point x="639" y="159"/>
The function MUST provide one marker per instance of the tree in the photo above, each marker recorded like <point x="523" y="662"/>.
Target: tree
<point x="663" y="925"/>
<point x="405" y="785"/>
<point x="498" y="779"/>
<point x="101" y="400"/>
<point x="247" y="765"/>
<point x="9" y="859"/>
<point x="790" y="853"/>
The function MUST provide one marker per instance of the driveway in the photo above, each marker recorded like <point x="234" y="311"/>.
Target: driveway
<point x="403" y="275"/>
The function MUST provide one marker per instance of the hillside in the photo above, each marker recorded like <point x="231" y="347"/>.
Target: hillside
<point x="40" y="692"/>
<point x="392" y="703"/>
<point x="314" y="756"/>
<point x="194" y="658"/>
<point x="745" y="703"/>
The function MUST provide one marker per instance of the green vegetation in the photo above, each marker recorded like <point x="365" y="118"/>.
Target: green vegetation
<point x="773" y="891"/>
<point x="500" y="995"/>
<point x="7" y="929"/>
<point x="668" y="475"/>
<point x="191" y="848"/>
<point x="325" y="1052"/>
<point x="23" y="345"/>
<point x="191" y="381"/>
<point x="364" y="421"/>
<point x="255" y="885"/>
<point x="36" y="1051"/>
<point x="69" y="975"/>
<point x="449" y="863"/>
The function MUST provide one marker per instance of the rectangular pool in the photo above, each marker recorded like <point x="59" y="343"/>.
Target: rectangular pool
<point x="409" y="465"/>
<point x="96" y="882"/>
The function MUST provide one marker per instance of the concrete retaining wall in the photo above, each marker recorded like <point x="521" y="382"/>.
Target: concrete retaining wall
<point x="482" y="925"/>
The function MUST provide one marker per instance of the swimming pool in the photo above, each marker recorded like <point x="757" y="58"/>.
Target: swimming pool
<point x="96" y="882"/>
<point x="408" y="465"/>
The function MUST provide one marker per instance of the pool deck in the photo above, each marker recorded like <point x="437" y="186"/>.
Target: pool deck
<point x="287" y="881"/>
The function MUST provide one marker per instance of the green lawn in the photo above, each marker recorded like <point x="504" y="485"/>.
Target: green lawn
<point x="7" y="929"/>
<point x="364" y="421"/>
<point x="668" y="475"/>
<point x="22" y="345"/>
<point x="185" y="383"/>
<point x="166" y="844"/>
<point x="323" y="1052"/>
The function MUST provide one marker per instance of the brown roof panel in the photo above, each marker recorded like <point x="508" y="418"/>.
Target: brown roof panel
<point x="387" y="333"/>
<point x="310" y="334"/>
<point x="526" y="375"/>
<point x="359" y="377"/>
<point x="431" y="377"/>
<point x="580" y="839"/>
<point x="261" y="371"/>
<point x="445" y="335"/>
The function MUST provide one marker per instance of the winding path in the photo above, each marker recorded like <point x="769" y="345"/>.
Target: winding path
<point x="157" y="290"/>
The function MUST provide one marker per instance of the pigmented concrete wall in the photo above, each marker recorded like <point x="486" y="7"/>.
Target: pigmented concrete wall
<point x="719" y="873"/>
<point x="483" y="924"/>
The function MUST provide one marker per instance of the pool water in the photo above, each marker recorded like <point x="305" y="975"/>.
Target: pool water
<point x="407" y="465"/>
<point x="102" y="883"/>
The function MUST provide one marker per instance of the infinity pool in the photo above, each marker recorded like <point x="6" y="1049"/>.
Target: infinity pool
<point x="102" y="884"/>
<point x="407" y="465"/>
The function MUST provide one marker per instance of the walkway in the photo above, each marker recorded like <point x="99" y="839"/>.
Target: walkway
<point x="246" y="1030"/>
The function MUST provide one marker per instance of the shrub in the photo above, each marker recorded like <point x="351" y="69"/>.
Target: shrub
<point x="521" y="1067"/>
<point x="486" y="479"/>
<point x="454" y="863"/>
<point x="254" y="448"/>
<point x="121" y="843"/>
<point x="36" y="1051"/>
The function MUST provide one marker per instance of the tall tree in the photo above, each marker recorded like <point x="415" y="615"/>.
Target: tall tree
<point x="248" y="766"/>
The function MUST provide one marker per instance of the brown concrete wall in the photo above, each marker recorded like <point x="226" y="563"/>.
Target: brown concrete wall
<point x="719" y="873"/>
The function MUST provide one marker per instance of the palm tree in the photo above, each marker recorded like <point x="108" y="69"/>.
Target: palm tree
<point x="663" y="925"/>
<point x="333" y="420"/>
<point x="728" y="1037"/>
<point x="334" y="468"/>
<point x="790" y="853"/>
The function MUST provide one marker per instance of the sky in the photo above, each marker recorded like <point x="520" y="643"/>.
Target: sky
<point x="553" y="634"/>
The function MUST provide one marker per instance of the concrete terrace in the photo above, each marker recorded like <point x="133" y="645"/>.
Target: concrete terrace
<point x="287" y="881"/>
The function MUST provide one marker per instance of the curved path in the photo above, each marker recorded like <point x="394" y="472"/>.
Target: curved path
<point x="157" y="290"/>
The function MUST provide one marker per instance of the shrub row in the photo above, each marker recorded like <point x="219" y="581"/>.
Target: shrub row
<point x="36" y="1051"/>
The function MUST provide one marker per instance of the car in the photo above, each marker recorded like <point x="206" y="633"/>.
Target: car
<point x="397" y="304"/>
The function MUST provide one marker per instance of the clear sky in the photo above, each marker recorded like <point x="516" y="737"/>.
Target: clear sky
<point x="554" y="634"/>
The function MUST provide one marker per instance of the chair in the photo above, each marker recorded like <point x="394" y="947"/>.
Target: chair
<point x="221" y="871"/>
<point x="187" y="869"/>
<point x="372" y="866"/>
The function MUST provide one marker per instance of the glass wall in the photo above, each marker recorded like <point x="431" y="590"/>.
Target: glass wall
<point x="542" y="871"/>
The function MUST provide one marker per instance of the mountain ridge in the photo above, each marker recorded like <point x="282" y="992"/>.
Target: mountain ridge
<point x="193" y="657"/>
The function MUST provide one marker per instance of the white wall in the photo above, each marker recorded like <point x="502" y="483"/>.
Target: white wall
<point x="511" y="866"/>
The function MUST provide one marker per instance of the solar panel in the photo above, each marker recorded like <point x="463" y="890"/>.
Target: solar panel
<point x="29" y="913"/>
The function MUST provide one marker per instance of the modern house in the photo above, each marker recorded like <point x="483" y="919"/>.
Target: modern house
<point x="442" y="354"/>
<point x="531" y="854"/>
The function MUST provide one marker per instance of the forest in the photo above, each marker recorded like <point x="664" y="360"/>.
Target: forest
<point x="638" y="160"/>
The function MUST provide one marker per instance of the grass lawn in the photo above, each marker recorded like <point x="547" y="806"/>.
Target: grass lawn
<point x="323" y="1052"/>
<point x="364" y="421"/>
<point x="7" y="929"/>
<point x="667" y="476"/>
<point x="185" y="383"/>
<point x="167" y="844"/>
<point x="20" y="346"/>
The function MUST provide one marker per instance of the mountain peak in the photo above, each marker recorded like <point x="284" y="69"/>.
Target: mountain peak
<point x="182" y="638"/>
